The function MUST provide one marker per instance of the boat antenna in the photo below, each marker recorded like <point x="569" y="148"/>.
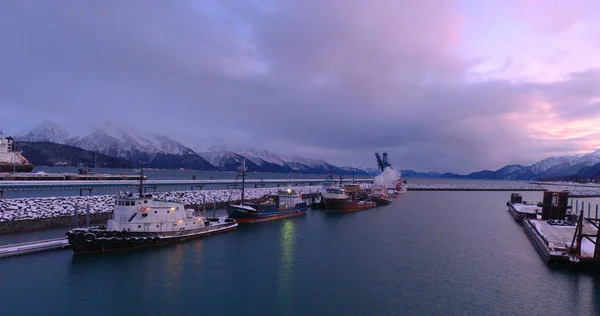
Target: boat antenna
<point x="141" y="177"/>
<point x="243" y="169"/>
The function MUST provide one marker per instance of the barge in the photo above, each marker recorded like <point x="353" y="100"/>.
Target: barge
<point x="559" y="236"/>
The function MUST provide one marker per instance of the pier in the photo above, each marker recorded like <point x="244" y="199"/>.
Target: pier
<point x="89" y="185"/>
<point x="33" y="247"/>
<point x="560" y="232"/>
<point x="20" y="176"/>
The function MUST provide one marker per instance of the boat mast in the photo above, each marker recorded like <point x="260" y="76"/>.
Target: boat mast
<point x="243" y="169"/>
<point x="141" y="177"/>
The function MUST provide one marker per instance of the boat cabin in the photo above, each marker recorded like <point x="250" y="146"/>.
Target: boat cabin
<point x="146" y="213"/>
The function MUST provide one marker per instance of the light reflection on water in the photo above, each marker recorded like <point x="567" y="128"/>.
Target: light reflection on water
<point x="287" y="244"/>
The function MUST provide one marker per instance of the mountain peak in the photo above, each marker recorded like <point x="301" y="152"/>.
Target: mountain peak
<point x="47" y="131"/>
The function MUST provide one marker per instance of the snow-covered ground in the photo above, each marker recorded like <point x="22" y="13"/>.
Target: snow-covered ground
<point x="567" y="183"/>
<point x="479" y="187"/>
<point x="584" y="193"/>
<point x="35" y="208"/>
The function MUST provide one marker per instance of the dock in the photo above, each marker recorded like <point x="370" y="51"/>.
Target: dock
<point x="89" y="185"/>
<point x="20" y="176"/>
<point x="558" y="235"/>
<point x="33" y="247"/>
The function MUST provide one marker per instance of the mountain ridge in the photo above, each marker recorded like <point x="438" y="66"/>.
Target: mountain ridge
<point x="162" y="152"/>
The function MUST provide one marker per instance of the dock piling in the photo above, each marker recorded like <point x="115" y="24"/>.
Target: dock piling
<point x="75" y="214"/>
<point x="214" y="202"/>
<point x="596" y="212"/>
<point x="87" y="216"/>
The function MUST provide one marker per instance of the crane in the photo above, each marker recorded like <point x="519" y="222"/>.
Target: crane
<point x="382" y="163"/>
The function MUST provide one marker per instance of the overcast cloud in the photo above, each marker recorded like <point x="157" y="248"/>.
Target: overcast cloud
<point x="440" y="85"/>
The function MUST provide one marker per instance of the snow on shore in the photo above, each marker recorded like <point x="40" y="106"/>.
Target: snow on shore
<point x="35" y="208"/>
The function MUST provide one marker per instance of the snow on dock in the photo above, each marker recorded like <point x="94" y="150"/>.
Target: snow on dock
<point x="474" y="187"/>
<point x="33" y="246"/>
<point x="555" y="240"/>
<point x="584" y="193"/>
<point x="37" y="208"/>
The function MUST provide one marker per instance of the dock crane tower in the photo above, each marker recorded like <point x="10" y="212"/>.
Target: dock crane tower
<point x="382" y="163"/>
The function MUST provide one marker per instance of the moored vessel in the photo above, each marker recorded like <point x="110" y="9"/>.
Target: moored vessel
<point x="379" y="195"/>
<point x="143" y="220"/>
<point x="10" y="159"/>
<point x="285" y="203"/>
<point x="336" y="199"/>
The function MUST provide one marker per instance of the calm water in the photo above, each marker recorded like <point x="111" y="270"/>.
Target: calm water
<point x="429" y="253"/>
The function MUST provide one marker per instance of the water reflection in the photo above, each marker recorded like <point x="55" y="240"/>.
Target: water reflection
<point x="173" y="266"/>
<point x="287" y="249"/>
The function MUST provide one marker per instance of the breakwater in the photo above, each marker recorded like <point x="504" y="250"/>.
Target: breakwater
<point x="25" y="214"/>
<point x="474" y="187"/>
<point x="581" y="193"/>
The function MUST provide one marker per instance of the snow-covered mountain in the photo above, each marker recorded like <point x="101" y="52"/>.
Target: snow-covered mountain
<point x="121" y="142"/>
<point x="558" y="166"/>
<point x="157" y="151"/>
<point x="264" y="160"/>
<point x="227" y="160"/>
<point x="47" y="131"/>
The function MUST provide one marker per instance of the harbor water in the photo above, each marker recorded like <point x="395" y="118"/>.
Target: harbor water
<point x="428" y="253"/>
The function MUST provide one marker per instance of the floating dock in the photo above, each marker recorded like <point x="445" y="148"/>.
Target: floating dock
<point x="33" y="247"/>
<point x="557" y="235"/>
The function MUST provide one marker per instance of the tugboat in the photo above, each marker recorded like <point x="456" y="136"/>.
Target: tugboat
<point x="143" y="221"/>
<point x="11" y="160"/>
<point x="285" y="203"/>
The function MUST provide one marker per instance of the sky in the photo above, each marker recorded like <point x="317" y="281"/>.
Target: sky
<point x="440" y="85"/>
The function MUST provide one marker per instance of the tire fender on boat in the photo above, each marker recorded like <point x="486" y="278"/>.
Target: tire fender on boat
<point x="89" y="237"/>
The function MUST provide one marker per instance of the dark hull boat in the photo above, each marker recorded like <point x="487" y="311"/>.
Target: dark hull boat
<point x="337" y="199"/>
<point x="102" y="240"/>
<point x="254" y="213"/>
<point x="7" y="167"/>
<point x="348" y="205"/>
<point x="142" y="220"/>
<point x="381" y="201"/>
<point x="284" y="204"/>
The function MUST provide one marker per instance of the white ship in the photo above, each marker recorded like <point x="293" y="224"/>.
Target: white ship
<point x="11" y="160"/>
<point x="143" y="220"/>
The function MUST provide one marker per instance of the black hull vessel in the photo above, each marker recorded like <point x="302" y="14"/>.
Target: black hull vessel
<point x="101" y="240"/>
<point x="284" y="204"/>
<point x="142" y="220"/>
<point x="16" y="168"/>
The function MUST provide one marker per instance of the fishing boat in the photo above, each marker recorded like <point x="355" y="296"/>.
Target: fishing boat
<point x="336" y="199"/>
<point x="285" y="203"/>
<point x="143" y="220"/>
<point x="379" y="195"/>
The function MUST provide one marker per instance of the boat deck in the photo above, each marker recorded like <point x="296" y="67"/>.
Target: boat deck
<point x="520" y="210"/>
<point x="554" y="241"/>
